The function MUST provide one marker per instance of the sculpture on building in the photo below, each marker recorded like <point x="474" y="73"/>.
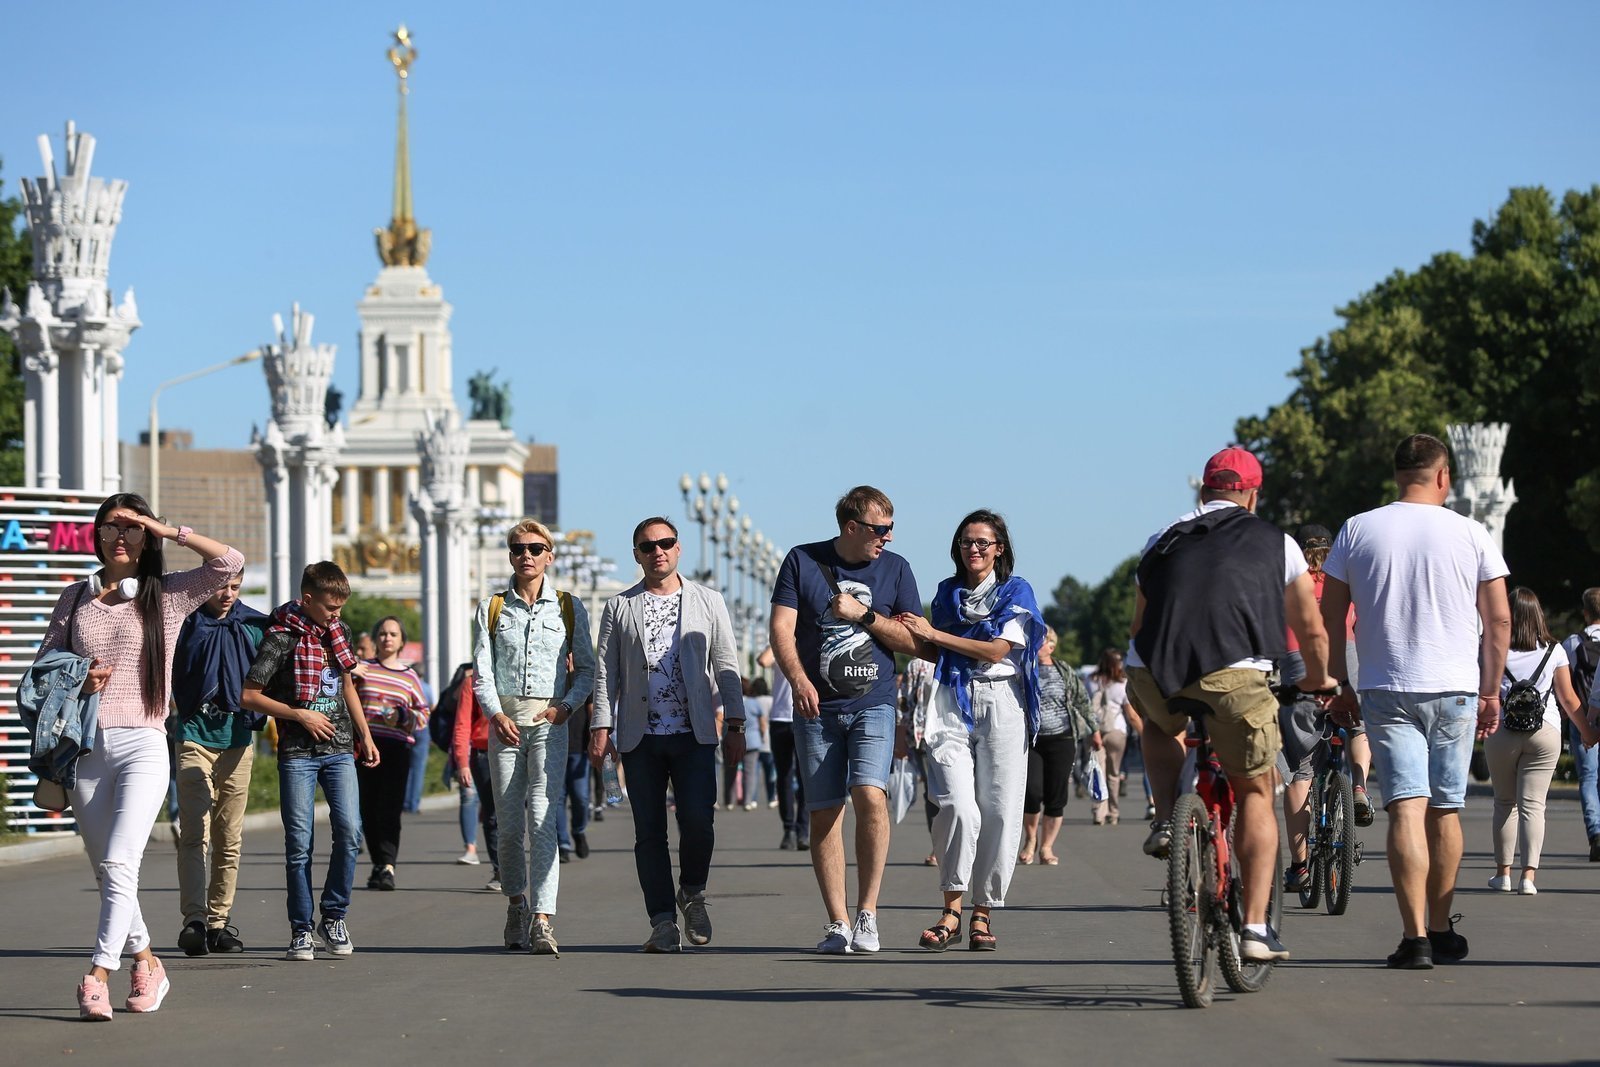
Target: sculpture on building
<point x="490" y="402"/>
<point x="1477" y="490"/>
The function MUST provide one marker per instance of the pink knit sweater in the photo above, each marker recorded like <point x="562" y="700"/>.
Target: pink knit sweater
<point x="111" y="632"/>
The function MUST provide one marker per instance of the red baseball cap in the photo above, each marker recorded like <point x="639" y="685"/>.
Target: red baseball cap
<point x="1233" y="460"/>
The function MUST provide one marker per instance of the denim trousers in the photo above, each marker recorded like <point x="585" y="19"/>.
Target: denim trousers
<point x="1586" y="761"/>
<point x="575" y="807"/>
<point x="529" y="787"/>
<point x="417" y="769"/>
<point x="691" y="769"/>
<point x="298" y="778"/>
<point x="483" y="786"/>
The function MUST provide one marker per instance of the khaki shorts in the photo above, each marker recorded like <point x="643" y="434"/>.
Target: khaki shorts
<point x="1243" y="724"/>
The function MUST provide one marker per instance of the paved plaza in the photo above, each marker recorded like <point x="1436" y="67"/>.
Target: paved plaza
<point x="1082" y="975"/>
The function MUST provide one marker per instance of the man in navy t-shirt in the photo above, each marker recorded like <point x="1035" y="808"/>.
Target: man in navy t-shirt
<point x="834" y="636"/>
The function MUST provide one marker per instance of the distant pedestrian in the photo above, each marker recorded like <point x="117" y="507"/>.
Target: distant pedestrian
<point x="666" y="687"/>
<point x="1422" y="578"/>
<point x="741" y="778"/>
<point x="1116" y="720"/>
<point x="522" y="639"/>
<point x="780" y="736"/>
<point x="1583" y="656"/>
<point x="984" y="639"/>
<point x="469" y="749"/>
<point x="915" y="701"/>
<point x="835" y="637"/>
<point x="304" y="678"/>
<point x="572" y="816"/>
<point x="1522" y="760"/>
<point x="121" y="624"/>
<point x="396" y="709"/>
<point x="1063" y="716"/>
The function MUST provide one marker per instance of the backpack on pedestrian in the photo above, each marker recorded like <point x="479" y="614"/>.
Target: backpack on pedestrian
<point x="1522" y="710"/>
<point x="1585" y="659"/>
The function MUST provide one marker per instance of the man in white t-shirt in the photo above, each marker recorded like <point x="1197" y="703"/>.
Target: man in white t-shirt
<point x="1422" y="577"/>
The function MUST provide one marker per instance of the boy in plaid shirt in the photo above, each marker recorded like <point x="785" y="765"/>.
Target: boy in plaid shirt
<point x="303" y="677"/>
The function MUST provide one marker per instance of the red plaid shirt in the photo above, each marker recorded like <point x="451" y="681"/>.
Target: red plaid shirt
<point x="312" y="647"/>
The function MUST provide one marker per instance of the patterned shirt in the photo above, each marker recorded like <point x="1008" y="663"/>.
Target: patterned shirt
<point x="273" y="671"/>
<point x="393" y="702"/>
<point x="669" y="700"/>
<point x="1052" y="702"/>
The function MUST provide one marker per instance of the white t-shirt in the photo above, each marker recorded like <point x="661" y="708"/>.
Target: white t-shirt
<point x="1523" y="664"/>
<point x="1294" y="565"/>
<point x="782" y="699"/>
<point x="1012" y="631"/>
<point x="1413" y="572"/>
<point x="1116" y="705"/>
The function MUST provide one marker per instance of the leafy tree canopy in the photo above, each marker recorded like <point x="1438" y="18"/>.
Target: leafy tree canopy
<point x="16" y="263"/>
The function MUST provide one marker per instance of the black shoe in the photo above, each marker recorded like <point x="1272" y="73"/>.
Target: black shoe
<point x="192" y="939"/>
<point x="566" y="855"/>
<point x="1448" y="946"/>
<point x="803" y="844"/>
<point x="224" y="938"/>
<point x="1594" y="850"/>
<point x="787" y="844"/>
<point x="1296" y="877"/>
<point x="1414" y="954"/>
<point x="580" y="844"/>
<point x="385" y="878"/>
<point x="598" y="815"/>
<point x="375" y="879"/>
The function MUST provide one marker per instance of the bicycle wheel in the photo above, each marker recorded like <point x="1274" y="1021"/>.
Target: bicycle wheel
<point x="1339" y="869"/>
<point x="1191" y="894"/>
<point x="1316" y="837"/>
<point x="1242" y="975"/>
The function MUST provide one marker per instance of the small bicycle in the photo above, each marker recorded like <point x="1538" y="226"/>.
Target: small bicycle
<point x="1205" y="909"/>
<point x="1332" y="851"/>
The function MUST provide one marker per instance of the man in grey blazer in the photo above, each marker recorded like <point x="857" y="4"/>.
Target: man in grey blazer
<point x="666" y="683"/>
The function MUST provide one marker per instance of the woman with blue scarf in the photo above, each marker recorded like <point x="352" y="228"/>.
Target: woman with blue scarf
<point x="984" y="641"/>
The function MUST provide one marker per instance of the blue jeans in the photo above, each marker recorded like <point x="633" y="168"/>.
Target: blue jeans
<point x="1421" y="744"/>
<point x="691" y="768"/>
<point x="841" y="750"/>
<point x="418" y="771"/>
<point x="577" y="802"/>
<point x="1586" y="761"/>
<point x="298" y="779"/>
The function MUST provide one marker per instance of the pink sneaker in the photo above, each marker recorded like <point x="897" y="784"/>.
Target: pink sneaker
<point x="150" y="985"/>
<point x="94" y="1000"/>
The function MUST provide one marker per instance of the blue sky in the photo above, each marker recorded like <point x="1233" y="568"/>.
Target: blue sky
<point x="1035" y="257"/>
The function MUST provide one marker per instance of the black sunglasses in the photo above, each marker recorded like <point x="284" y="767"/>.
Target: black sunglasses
<point x="529" y="548"/>
<point x="664" y="544"/>
<point x="879" y="529"/>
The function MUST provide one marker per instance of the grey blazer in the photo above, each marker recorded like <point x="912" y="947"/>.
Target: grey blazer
<point x="706" y="650"/>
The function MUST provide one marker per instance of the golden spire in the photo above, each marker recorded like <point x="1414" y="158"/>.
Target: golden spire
<point x="403" y="244"/>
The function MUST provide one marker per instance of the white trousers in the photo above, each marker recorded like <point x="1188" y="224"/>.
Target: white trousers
<point x="122" y="785"/>
<point x="978" y="778"/>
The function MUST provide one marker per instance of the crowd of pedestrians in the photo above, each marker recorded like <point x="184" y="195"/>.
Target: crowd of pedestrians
<point x="972" y="695"/>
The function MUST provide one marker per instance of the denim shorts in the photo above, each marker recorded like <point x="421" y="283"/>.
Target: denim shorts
<point x="1421" y="744"/>
<point x="841" y="750"/>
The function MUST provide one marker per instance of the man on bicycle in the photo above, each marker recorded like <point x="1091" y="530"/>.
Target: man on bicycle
<point x="1215" y="590"/>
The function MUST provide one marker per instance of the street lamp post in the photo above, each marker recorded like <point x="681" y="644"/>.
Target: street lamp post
<point x="155" y="421"/>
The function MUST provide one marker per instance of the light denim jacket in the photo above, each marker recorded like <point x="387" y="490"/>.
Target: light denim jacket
<point x="527" y="654"/>
<point x="61" y="720"/>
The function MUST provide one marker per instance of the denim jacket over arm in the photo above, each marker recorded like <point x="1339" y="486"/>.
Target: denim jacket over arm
<point x="61" y="720"/>
<point x="527" y="654"/>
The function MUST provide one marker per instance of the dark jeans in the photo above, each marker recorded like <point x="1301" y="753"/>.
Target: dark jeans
<point x="577" y="801"/>
<point x="478" y="763"/>
<point x="298" y="778"/>
<point x="691" y="768"/>
<point x="791" y="794"/>
<point x="383" y="794"/>
<point x="1049" y="775"/>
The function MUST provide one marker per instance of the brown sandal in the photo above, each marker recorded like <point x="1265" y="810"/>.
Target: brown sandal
<point x="939" y="937"/>
<point x="984" y="942"/>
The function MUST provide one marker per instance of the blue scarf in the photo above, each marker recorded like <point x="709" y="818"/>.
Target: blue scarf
<point x="213" y="656"/>
<point x="955" y="612"/>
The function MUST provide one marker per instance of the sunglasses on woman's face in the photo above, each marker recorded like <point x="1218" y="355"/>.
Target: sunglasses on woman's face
<point x="529" y="548"/>
<point x="648" y="548"/>
<point x="110" y="531"/>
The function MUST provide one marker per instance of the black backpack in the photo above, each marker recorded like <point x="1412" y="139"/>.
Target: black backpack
<point x="1585" y="658"/>
<point x="442" y="723"/>
<point x="1522" y="711"/>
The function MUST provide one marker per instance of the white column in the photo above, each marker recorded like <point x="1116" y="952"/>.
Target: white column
<point x="380" y="500"/>
<point x="87" y="421"/>
<point x="455" y="590"/>
<point x="428" y="565"/>
<point x="352" y="502"/>
<point x="474" y="487"/>
<point x="414" y="371"/>
<point x="110" y="443"/>
<point x="413" y="483"/>
<point x="278" y="507"/>
<point x="50" y="425"/>
<point x="369" y="369"/>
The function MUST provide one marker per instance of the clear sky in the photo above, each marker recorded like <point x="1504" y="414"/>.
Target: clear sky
<point x="1036" y="257"/>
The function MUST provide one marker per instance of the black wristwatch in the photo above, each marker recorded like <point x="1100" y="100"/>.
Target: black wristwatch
<point x="734" y="726"/>
<point x="868" y="619"/>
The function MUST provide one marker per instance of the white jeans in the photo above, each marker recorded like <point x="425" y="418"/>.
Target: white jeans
<point x="122" y="785"/>
<point x="978" y="780"/>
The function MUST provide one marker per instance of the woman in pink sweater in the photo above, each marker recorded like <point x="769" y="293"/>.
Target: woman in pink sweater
<point x="125" y="618"/>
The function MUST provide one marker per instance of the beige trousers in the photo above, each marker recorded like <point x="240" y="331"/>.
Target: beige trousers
<point x="213" y="787"/>
<point x="1520" y="767"/>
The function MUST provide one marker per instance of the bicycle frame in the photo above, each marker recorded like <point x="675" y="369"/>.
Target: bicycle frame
<point x="1211" y="785"/>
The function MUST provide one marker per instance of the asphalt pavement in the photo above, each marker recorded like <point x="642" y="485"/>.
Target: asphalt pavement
<point x="1083" y="972"/>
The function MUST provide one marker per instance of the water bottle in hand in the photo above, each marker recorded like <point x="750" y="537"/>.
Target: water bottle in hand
<point x="608" y="775"/>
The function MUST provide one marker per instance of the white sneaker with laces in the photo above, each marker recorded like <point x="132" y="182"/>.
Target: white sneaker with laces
<point x="864" y="938"/>
<point x="835" y="939"/>
<point x="469" y="859"/>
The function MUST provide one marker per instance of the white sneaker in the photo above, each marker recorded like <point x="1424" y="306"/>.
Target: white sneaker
<point x="1527" y="888"/>
<point x="835" y="939"/>
<point x="469" y="859"/>
<point x="1500" y="883"/>
<point x="865" y="936"/>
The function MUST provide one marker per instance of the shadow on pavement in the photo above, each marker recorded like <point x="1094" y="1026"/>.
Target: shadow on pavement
<point x="1038" y="997"/>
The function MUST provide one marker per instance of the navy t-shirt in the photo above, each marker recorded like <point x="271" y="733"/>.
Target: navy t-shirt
<point x="884" y="585"/>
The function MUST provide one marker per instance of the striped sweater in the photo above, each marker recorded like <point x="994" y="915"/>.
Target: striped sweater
<point x="393" y="701"/>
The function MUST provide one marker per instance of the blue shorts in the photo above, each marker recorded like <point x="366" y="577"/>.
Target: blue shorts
<point x="841" y="750"/>
<point x="1421" y="744"/>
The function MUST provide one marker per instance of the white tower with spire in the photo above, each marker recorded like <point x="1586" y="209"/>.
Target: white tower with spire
<point x="298" y="454"/>
<point x="70" y="334"/>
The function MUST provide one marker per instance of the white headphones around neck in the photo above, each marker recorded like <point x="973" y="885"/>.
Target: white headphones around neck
<point x="128" y="587"/>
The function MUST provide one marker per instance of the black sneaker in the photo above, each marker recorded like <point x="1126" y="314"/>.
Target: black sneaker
<point x="192" y="939"/>
<point x="1448" y="946"/>
<point x="224" y="938"/>
<point x="1414" y="954"/>
<point x="566" y="855"/>
<point x="1296" y="877"/>
<point x="1594" y="849"/>
<point x="375" y="878"/>
<point x="1262" y="948"/>
<point x="1159" y="841"/>
<point x="787" y="844"/>
<point x="385" y="877"/>
<point x="580" y="844"/>
<point x="802" y="844"/>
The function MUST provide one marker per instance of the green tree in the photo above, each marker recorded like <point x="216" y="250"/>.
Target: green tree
<point x="1091" y="619"/>
<point x="361" y="613"/>
<point x="1509" y="333"/>
<point x="16" y="268"/>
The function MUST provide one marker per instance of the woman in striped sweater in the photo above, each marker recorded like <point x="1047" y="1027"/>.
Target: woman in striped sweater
<point x="391" y="695"/>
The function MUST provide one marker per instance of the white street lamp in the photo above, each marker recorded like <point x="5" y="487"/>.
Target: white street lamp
<point x="155" y="423"/>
